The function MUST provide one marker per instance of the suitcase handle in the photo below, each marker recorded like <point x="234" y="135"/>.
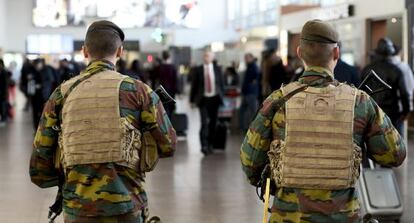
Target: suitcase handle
<point x="369" y="219"/>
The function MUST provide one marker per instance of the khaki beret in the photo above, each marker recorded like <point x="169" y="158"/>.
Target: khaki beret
<point x="319" y="31"/>
<point x="108" y="26"/>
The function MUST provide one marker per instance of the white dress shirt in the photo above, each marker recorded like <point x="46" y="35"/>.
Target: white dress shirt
<point x="209" y="73"/>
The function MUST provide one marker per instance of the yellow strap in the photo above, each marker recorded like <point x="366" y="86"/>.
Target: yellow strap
<point x="266" y="203"/>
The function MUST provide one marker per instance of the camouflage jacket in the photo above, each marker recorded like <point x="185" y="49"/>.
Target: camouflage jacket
<point x="102" y="189"/>
<point x="371" y="126"/>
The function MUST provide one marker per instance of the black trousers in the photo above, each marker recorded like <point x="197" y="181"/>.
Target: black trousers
<point x="37" y="109"/>
<point x="3" y="110"/>
<point x="208" y="112"/>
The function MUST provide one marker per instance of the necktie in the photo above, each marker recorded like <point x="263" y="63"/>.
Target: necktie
<point x="208" y="80"/>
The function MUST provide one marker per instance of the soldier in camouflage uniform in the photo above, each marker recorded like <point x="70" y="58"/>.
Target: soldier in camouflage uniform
<point x="315" y="161"/>
<point x="77" y="131"/>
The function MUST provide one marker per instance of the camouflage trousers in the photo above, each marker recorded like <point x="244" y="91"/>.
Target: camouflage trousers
<point x="132" y="217"/>
<point x="299" y="217"/>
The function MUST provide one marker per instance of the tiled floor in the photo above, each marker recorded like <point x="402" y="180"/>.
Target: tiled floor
<point x="189" y="188"/>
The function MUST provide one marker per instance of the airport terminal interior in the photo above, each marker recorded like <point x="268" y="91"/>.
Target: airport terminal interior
<point x="252" y="46"/>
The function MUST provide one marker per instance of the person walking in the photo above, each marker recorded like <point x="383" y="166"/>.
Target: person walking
<point x="250" y="92"/>
<point x="167" y="76"/>
<point x="408" y="80"/>
<point x="207" y="89"/>
<point x="396" y="103"/>
<point x="94" y="134"/>
<point x="311" y="134"/>
<point x="40" y="86"/>
<point x="274" y="74"/>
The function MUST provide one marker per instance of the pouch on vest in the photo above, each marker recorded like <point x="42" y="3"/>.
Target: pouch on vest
<point x="149" y="153"/>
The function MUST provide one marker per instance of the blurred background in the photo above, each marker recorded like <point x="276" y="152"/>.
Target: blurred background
<point x="40" y="45"/>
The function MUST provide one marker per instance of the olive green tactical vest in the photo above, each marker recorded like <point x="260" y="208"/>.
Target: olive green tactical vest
<point x="92" y="128"/>
<point x="318" y="151"/>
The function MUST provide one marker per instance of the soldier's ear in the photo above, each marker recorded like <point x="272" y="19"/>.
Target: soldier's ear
<point x="120" y="51"/>
<point x="336" y="53"/>
<point x="85" y="52"/>
<point x="299" y="52"/>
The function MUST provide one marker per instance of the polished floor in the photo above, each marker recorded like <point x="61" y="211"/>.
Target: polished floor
<point x="189" y="188"/>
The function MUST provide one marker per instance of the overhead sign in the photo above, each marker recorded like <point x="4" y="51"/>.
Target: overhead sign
<point x="334" y="12"/>
<point x="49" y="44"/>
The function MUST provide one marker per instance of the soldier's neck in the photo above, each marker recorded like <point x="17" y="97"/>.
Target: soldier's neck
<point x="329" y="67"/>
<point x="110" y="59"/>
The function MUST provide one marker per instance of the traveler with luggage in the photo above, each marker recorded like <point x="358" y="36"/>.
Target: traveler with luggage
<point x="207" y="89"/>
<point x="98" y="135"/>
<point x="311" y="133"/>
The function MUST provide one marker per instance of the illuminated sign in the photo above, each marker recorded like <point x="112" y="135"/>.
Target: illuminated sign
<point x="49" y="44"/>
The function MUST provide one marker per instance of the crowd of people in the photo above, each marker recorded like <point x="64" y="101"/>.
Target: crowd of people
<point x="255" y="82"/>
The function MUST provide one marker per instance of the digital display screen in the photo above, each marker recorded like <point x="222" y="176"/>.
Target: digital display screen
<point x="125" y="13"/>
<point x="49" y="44"/>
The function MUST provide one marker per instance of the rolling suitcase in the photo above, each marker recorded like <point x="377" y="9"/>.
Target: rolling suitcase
<point x="379" y="194"/>
<point x="180" y="124"/>
<point x="220" y="136"/>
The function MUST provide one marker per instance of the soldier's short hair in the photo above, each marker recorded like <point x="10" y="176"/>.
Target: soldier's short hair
<point x="102" y="43"/>
<point x="316" y="53"/>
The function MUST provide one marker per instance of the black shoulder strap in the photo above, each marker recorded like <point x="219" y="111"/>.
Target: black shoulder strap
<point x="74" y="85"/>
<point x="66" y="95"/>
<point x="276" y="106"/>
<point x="288" y="96"/>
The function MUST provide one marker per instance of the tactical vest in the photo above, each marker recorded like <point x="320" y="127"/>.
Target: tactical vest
<point x="318" y="151"/>
<point x="92" y="128"/>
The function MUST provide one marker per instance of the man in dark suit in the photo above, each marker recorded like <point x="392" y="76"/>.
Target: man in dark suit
<point x="207" y="90"/>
